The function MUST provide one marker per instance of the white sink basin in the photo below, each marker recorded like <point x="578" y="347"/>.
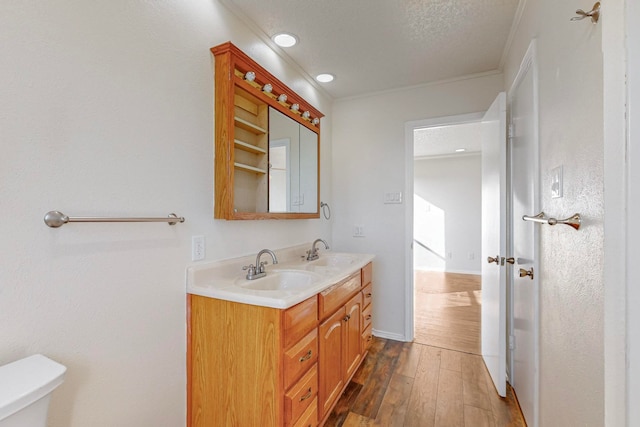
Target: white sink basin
<point x="281" y="280"/>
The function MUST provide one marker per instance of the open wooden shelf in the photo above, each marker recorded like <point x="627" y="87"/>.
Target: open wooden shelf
<point x="248" y="168"/>
<point x="241" y="145"/>
<point x="248" y="126"/>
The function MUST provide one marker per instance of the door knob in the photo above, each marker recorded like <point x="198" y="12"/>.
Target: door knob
<point x="511" y="260"/>
<point x="492" y="259"/>
<point x="525" y="273"/>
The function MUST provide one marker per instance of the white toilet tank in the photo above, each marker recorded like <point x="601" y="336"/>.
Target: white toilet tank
<point x="25" y="390"/>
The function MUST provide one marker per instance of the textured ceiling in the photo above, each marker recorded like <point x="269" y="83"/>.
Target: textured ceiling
<point x="444" y="140"/>
<point x="374" y="45"/>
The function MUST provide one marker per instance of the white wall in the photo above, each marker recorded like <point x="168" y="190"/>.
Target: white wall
<point x="107" y="109"/>
<point x="633" y="204"/>
<point x="452" y="184"/>
<point x="571" y="276"/>
<point x="369" y="159"/>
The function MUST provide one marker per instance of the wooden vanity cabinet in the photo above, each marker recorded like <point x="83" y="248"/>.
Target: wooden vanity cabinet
<point x="367" y="316"/>
<point x="340" y="339"/>
<point x="251" y="365"/>
<point x="259" y="366"/>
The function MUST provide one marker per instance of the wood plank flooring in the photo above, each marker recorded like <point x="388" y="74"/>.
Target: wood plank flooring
<point x="448" y="310"/>
<point x="415" y="385"/>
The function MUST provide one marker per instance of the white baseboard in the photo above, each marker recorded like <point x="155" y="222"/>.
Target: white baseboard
<point x="478" y="272"/>
<point x="389" y="335"/>
<point x="465" y="272"/>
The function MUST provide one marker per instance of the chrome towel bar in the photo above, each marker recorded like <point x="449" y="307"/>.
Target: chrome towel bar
<point x="55" y="219"/>
<point x="573" y="221"/>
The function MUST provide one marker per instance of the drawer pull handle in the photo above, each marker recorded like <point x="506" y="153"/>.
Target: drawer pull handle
<point x="368" y="317"/>
<point x="306" y="396"/>
<point x="306" y="356"/>
<point x="369" y="337"/>
<point x="368" y="295"/>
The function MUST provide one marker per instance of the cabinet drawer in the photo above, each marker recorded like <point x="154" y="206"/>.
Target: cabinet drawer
<point x="310" y="416"/>
<point x="300" y="396"/>
<point x="366" y="295"/>
<point x="300" y="357"/>
<point x="331" y="299"/>
<point x="367" y="271"/>
<point x="366" y="317"/>
<point x="299" y="320"/>
<point x="367" y="338"/>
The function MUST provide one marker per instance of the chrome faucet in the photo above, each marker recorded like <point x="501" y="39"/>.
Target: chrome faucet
<point x="256" y="271"/>
<point x="312" y="254"/>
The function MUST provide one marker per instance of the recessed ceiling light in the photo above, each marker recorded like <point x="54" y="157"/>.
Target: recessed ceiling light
<point x="285" y="39"/>
<point x="325" y="78"/>
<point x="460" y="150"/>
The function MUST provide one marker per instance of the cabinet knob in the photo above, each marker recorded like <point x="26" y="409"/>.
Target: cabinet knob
<point x="492" y="259"/>
<point x="347" y="317"/>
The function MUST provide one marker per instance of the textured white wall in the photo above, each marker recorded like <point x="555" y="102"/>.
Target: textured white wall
<point x="369" y="159"/>
<point x="633" y="242"/>
<point x="107" y="109"/>
<point x="571" y="276"/>
<point x="454" y="185"/>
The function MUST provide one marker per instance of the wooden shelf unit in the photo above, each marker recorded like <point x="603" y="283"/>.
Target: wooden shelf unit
<point x="242" y="135"/>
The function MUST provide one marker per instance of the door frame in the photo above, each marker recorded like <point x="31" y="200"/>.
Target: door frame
<point x="621" y="87"/>
<point x="529" y="63"/>
<point x="409" y="127"/>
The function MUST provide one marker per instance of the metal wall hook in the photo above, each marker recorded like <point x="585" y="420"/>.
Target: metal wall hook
<point x="594" y="14"/>
<point x="573" y="221"/>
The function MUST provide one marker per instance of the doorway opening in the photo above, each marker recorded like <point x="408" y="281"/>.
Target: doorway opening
<point x="446" y="232"/>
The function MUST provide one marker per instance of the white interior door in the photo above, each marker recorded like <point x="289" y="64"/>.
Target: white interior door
<point x="494" y="216"/>
<point x="524" y="186"/>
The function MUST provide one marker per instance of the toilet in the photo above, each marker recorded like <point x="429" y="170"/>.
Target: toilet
<point x="25" y="390"/>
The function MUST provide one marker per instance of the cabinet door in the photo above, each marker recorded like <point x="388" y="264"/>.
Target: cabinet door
<point x="353" y="331"/>
<point x="331" y="360"/>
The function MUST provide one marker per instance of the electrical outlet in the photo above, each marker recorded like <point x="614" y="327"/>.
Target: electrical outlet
<point x="471" y="255"/>
<point x="393" y="197"/>
<point x="197" y="248"/>
<point x="358" y="230"/>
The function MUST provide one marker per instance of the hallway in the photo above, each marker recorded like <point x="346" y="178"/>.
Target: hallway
<point x="414" y="385"/>
<point x="448" y="310"/>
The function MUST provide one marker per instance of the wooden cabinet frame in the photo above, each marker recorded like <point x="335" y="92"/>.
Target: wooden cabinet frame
<point x="231" y="65"/>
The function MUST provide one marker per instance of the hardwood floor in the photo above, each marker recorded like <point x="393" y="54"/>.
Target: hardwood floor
<point x="415" y="385"/>
<point x="447" y="310"/>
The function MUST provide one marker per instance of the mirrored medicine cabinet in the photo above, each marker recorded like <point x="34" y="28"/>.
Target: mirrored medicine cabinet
<point x="267" y="143"/>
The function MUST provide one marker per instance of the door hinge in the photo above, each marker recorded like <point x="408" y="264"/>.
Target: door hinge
<point x="512" y="342"/>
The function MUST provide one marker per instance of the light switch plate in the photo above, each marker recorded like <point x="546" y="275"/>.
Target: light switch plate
<point x="556" y="182"/>
<point x="393" y="197"/>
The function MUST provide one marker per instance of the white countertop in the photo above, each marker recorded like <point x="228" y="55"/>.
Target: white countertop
<point x="226" y="280"/>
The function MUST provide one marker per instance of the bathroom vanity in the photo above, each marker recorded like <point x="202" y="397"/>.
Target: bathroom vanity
<point x="278" y="351"/>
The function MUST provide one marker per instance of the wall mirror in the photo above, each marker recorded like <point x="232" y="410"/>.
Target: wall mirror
<point x="267" y="143"/>
<point x="293" y="165"/>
